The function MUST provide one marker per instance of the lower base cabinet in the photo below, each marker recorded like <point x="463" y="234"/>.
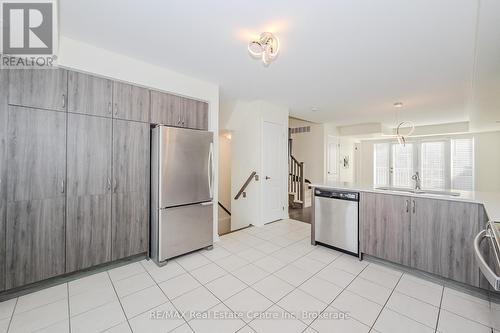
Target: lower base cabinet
<point x="130" y="224"/>
<point x="385" y="227"/>
<point x="88" y="236"/>
<point x="35" y="241"/>
<point x="432" y="235"/>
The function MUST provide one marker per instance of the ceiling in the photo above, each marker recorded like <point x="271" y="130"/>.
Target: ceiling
<point x="350" y="59"/>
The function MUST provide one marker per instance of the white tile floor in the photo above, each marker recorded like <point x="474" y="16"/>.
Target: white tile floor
<point x="267" y="279"/>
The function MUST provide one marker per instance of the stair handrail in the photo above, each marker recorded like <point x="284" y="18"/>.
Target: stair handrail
<point x="247" y="182"/>
<point x="297" y="180"/>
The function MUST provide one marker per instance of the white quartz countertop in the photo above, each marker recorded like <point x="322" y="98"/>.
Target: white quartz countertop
<point x="490" y="200"/>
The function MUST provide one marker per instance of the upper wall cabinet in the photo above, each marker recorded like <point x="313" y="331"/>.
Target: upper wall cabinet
<point x="89" y="94"/>
<point x="172" y="110"/>
<point x="43" y="89"/>
<point x="165" y="109"/>
<point x="196" y="114"/>
<point x="130" y="102"/>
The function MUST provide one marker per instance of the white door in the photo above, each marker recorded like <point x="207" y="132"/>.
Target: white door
<point x="273" y="173"/>
<point x="332" y="159"/>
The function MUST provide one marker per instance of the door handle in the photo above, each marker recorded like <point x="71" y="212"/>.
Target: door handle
<point x="407" y="206"/>
<point x="115" y="186"/>
<point x="64" y="101"/>
<point x="63" y="187"/>
<point x="414" y="207"/>
<point x="108" y="184"/>
<point x="110" y="108"/>
<point x="210" y="170"/>
<point x="209" y="203"/>
<point x="116" y="109"/>
<point x="267" y="177"/>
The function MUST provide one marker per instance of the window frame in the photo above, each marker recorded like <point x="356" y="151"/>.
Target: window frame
<point x="417" y="158"/>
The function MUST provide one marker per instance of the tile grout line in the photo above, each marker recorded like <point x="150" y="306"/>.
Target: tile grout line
<point x="119" y="301"/>
<point x="247" y="285"/>
<point x="385" y="304"/>
<point x="69" y="308"/>
<point x="169" y="300"/>
<point x="439" y="310"/>
<point x="344" y="289"/>
<point x="12" y="315"/>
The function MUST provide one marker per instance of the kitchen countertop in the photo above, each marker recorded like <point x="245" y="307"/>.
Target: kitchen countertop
<point x="490" y="200"/>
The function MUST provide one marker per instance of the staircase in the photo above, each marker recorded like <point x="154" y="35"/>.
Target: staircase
<point x="298" y="189"/>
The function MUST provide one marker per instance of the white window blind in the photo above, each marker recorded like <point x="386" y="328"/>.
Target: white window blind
<point x="462" y="164"/>
<point x="381" y="158"/>
<point x="402" y="165"/>
<point x="433" y="165"/>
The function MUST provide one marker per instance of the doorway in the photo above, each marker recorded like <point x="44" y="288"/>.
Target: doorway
<point x="333" y="153"/>
<point x="273" y="171"/>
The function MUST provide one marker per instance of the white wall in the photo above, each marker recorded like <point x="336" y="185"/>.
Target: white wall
<point x="308" y="147"/>
<point x="486" y="160"/>
<point x="244" y="120"/>
<point x="84" y="57"/>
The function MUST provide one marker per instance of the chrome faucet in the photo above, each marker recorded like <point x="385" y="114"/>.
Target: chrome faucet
<point x="416" y="178"/>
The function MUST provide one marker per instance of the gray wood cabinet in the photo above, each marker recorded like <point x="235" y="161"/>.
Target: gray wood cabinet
<point x="89" y="94"/>
<point x="35" y="228"/>
<point x="427" y="217"/>
<point x="88" y="211"/>
<point x="165" y="109"/>
<point x="4" y="88"/>
<point x="130" y="199"/>
<point x="385" y="227"/>
<point x="443" y="238"/>
<point x="130" y="102"/>
<point x="196" y="115"/>
<point x="44" y="89"/>
<point x="172" y="110"/>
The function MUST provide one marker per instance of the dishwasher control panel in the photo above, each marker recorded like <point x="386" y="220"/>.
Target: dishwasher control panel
<point x="352" y="196"/>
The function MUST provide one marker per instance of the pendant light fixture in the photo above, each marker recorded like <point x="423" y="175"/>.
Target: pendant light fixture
<point x="266" y="47"/>
<point x="401" y="127"/>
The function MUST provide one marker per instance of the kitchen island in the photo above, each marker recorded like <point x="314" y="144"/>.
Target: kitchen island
<point x="429" y="232"/>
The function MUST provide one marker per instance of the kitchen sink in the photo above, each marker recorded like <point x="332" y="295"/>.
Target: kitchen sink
<point x="410" y="190"/>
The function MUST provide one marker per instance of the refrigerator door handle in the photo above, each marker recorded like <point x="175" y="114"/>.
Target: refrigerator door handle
<point x="210" y="170"/>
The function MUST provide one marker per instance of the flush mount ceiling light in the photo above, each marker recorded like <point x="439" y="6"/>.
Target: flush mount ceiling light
<point x="265" y="47"/>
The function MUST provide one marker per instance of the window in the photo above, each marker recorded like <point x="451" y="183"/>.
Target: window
<point x="433" y="165"/>
<point x="442" y="164"/>
<point x="381" y="159"/>
<point x="462" y="164"/>
<point x="402" y="165"/>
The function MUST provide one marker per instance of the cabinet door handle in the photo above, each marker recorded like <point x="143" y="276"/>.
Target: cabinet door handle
<point x="108" y="184"/>
<point x="407" y="204"/>
<point x="116" y="109"/>
<point x="63" y="187"/>
<point x="414" y="207"/>
<point x="110" y="108"/>
<point x="116" y="186"/>
<point x="64" y="101"/>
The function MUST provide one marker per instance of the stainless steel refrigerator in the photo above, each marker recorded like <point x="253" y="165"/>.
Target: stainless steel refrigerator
<point x="181" y="191"/>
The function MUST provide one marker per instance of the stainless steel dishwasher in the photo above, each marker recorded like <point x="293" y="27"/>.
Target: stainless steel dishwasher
<point x="336" y="219"/>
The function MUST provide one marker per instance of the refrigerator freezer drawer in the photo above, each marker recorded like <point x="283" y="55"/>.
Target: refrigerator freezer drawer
<point x="185" y="229"/>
